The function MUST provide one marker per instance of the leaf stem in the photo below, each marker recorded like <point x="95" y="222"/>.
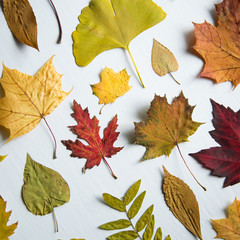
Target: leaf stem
<point x="109" y="167"/>
<point x="174" y="78"/>
<point x="55" y="220"/>
<point x="59" y="23"/>
<point x="189" y="169"/>
<point x="100" y="112"/>
<point x="54" y="139"/>
<point x="135" y="67"/>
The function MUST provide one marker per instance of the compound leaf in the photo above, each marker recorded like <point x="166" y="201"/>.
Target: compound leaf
<point x="144" y="219"/>
<point x="148" y="233"/>
<point x="125" y="235"/>
<point x="114" y="202"/>
<point x="132" y="192"/>
<point x="114" y="225"/>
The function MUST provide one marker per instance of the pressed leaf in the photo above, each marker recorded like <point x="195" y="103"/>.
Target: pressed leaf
<point x="158" y="235"/>
<point x="135" y="207"/>
<point x="21" y="20"/>
<point x="229" y="228"/>
<point x="43" y="189"/>
<point x="88" y="129"/>
<point x="182" y="203"/>
<point x="112" y="85"/>
<point x="5" y="231"/>
<point x="144" y="219"/>
<point x="2" y="158"/>
<point x="114" y="225"/>
<point x="132" y="192"/>
<point x="125" y="235"/>
<point x="168" y="238"/>
<point x="148" y="233"/>
<point x="114" y="202"/>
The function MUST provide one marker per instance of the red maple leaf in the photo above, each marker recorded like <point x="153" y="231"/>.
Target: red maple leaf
<point x="88" y="130"/>
<point x="224" y="161"/>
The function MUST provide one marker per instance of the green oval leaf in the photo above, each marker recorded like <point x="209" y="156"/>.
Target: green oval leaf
<point x="142" y="222"/>
<point x="125" y="235"/>
<point x="149" y="229"/>
<point x="132" y="192"/>
<point x="114" y="202"/>
<point x="114" y="225"/>
<point x="158" y="235"/>
<point x="135" y="207"/>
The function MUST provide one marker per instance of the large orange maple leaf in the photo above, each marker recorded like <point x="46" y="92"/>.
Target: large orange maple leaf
<point x="220" y="46"/>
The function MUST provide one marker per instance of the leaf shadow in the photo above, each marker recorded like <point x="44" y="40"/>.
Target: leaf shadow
<point x="5" y="133"/>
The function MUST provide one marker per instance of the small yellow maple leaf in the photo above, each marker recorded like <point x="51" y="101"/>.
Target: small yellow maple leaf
<point x="112" y="85"/>
<point x="229" y="228"/>
<point x="28" y="99"/>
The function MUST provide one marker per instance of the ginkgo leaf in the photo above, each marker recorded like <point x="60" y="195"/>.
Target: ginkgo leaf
<point x="108" y="24"/>
<point x="5" y="231"/>
<point x="229" y="228"/>
<point x="182" y="202"/>
<point x="43" y="189"/>
<point x="219" y="46"/>
<point x="112" y="85"/>
<point x="21" y="20"/>
<point x="2" y="158"/>
<point x="28" y="99"/>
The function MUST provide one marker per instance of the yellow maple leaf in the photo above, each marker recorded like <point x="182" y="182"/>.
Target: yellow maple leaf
<point x="112" y="85"/>
<point x="28" y="99"/>
<point x="229" y="228"/>
<point x="5" y="231"/>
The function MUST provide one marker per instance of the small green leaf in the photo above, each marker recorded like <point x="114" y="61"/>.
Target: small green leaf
<point x="149" y="229"/>
<point x="142" y="222"/>
<point x="114" y="202"/>
<point x="125" y="235"/>
<point x="132" y="192"/>
<point x="158" y="235"/>
<point x="2" y="157"/>
<point x="168" y="238"/>
<point x="114" y="225"/>
<point x="135" y="207"/>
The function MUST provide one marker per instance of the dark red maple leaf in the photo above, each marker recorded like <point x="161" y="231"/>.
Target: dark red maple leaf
<point x="224" y="161"/>
<point x="88" y="130"/>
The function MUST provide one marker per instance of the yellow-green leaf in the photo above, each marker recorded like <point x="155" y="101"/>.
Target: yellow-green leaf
<point x="132" y="192"/>
<point x="114" y="225"/>
<point x="144" y="219"/>
<point x="125" y="235"/>
<point x="112" y="85"/>
<point x="148" y="233"/>
<point x="168" y="238"/>
<point x="158" y="235"/>
<point x="135" y="207"/>
<point x="2" y="158"/>
<point x="114" y="202"/>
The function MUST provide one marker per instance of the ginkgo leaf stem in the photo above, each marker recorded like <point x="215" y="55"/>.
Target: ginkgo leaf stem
<point x="189" y="169"/>
<point x="54" y="139"/>
<point x="109" y="167"/>
<point x="55" y="220"/>
<point x="135" y="67"/>
<point x="59" y="23"/>
<point x="174" y="78"/>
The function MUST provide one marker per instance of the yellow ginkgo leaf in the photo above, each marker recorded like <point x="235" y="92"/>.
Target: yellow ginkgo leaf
<point x="112" y="85"/>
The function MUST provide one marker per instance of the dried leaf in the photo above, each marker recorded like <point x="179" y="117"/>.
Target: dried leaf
<point x="168" y="238"/>
<point x="148" y="233"/>
<point x="229" y="228"/>
<point x="125" y="235"/>
<point x="21" y="20"/>
<point x="114" y="202"/>
<point x="5" y="231"/>
<point x="158" y="235"/>
<point x="132" y="192"/>
<point x="112" y="85"/>
<point x="2" y="158"/>
<point x="114" y="225"/>
<point x="144" y="219"/>
<point x="182" y="203"/>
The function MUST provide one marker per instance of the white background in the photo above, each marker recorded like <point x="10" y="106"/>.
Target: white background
<point x="85" y="211"/>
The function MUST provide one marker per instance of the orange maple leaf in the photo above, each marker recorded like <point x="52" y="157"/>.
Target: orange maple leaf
<point x="220" y="46"/>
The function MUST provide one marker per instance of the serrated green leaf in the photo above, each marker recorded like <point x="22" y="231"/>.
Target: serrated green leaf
<point x="168" y="238"/>
<point x="125" y="235"/>
<point x="114" y="202"/>
<point x="114" y="225"/>
<point x="158" y="235"/>
<point x="142" y="222"/>
<point x="149" y="229"/>
<point x="135" y="207"/>
<point x="132" y="192"/>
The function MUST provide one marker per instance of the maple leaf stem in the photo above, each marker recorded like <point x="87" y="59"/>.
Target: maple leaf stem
<point x="55" y="220"/>
<point x="54" y="139"/>
<point x="189" y="169"/>
<point x="109" y="167"/>
<point x="135" y="67"/>
<point x="100" y="112"/>
<point x="59" y="23"/>
<point x="174" y="79"/>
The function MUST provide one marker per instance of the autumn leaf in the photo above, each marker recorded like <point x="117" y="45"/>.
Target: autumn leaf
<point x="182" y="202"/>
<point x="28" y="99"/>
<point x="163" y="60"/>
<point x="2" y="158"/>
<point x="106" y="25"/>
<point x="219" y="46"/>
<point x="224" y="161"/>
<point x="88" y="129"/>
<point x="166" y="127"/>
<point x="5" y="231"/>
<point x="21" y="20"/>
<point x="112" y="85"/>
<point x="43" y="189"/>
<point x="229" y="228"/>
